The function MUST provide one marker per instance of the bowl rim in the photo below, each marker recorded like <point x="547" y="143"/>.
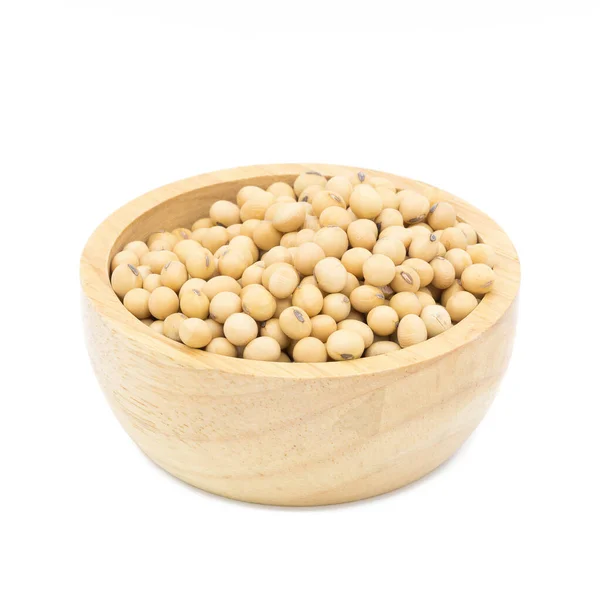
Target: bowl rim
<point x="95" y="281"/>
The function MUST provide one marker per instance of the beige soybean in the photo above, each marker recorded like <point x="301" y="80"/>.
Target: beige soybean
<point x="341" y="186"/>
<point x="324" y="199"/>
<point x="304" y="236"/>
<point x="256" y="206"/>
<point x="222" y="346"/>
<point x="388" y="197"/>
<point x="312" y="222"/>
<point x="358" y="327"/>
<point x="354" y="260"/>
<point x="158" y="326"/>
<point x="307" y="179"/>
<point x="336" y="306"/>
<point x="272" y="329"/>
<point x="203" y="223"/>
<point x="424" y="247"/>
<point x="436" y="319"/>
<point x="289" y="240"/>
<point x="174" y="275"/>
<point x="248" y="227"/>
<point x="469" y="232"/>
<point x="281" y="305"/>
<point x="182" y="233"/>
<point x="265" y="236"/>
<point x="223" y="305"/>
<point x="362" y="233"/>
<point x="379" y="270"/>
<point x="453" y="237"/>
<point x="157" y="259"/>
<point x="195" y="333"/>
<point x="224" y="213"/>
<point x="383" y="320"/>
<point x="365" y="202"/>
<point x="460" y="260"/>
<point x="194" y="303"/>
<point x="461" y="305"/>
<point x="482" y="254"/>
<point x="234" y="230"/>
<point x="185" y="247"/>
<point x="420" y="229"/>
<point x="258" y="302"/>
<point x="198" y="234"/>
<point x="136" y="302"/>
<point x="280" y="188"/>
<point x="309" y="298"/>
<point x="163" y="302"/>
<point x="309" y="193"/>
<point x="322" y="326"/>
<point x="220" y="283"/>
<point x="262" y="348"/>
<point x="389" y="217"/>
<point x="424" y="298"/>
<point x="125" y="278"/>
<point x="295" y="323"/>
<point x="162" y="235"/>
<point x="478" y="279"/>
<point x="366" y="297"/>
<point x="138" y="247"/>
<point x="396" y="232"/>
<point x="333" y="240"/>
<point x="383" y="347"/>
<point x="330" y="274"/>
<point x="288" y="217"/>
<point x="171" y="326"/>
<point x="307" y="257"/>
<point x="144" y="271"/>
<point x="234" y="263"/>
<point x="411" y="330"/>
<point x="283" y="281"/>
<point x="406" y="279"/>
<point x="222" y="251"/>
<point x="424" y="269"/>
<point x="344" y="344"/>
<point x="391" y="248"/>
<point x="253" y="274"/>
<point x="157" y="245"/>
<point x="406" y="303"/>
<point x="413" y="206"/>
<point x="351" y="284"/>
<point x="214" y="238"/>
<point x="240" y="329"/>
<point x="216" y="329"/>
<point x="310" y="350"/>
<point x="441" y="215"/>
<point x="443" y="273"/>
<point x="201" y="264"/>
<point x="243" y="242"/>
<point x="152" y="282"/>
<point x="123" y="258"/>
<point x="335" y="216"/>
<point x="450" y="291"/>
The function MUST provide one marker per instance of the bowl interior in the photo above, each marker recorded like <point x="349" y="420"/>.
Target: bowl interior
<point x="181" y="203"/>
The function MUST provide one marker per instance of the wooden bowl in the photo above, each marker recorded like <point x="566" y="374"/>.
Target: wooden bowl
<point x="291" y="433"/>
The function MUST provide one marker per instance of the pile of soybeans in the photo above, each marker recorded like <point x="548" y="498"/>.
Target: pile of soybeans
<point x="319" y="270"/>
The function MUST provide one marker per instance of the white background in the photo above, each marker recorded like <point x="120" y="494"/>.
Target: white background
<point x="495" y="102"/>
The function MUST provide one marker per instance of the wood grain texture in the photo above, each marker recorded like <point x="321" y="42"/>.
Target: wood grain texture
<point x="291" y="434"/>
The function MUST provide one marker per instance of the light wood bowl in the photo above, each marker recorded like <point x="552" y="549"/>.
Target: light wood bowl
<point x="291" y="434"/>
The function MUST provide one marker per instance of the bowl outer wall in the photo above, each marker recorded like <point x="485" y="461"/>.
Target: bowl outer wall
<point x="292" y="434"/>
